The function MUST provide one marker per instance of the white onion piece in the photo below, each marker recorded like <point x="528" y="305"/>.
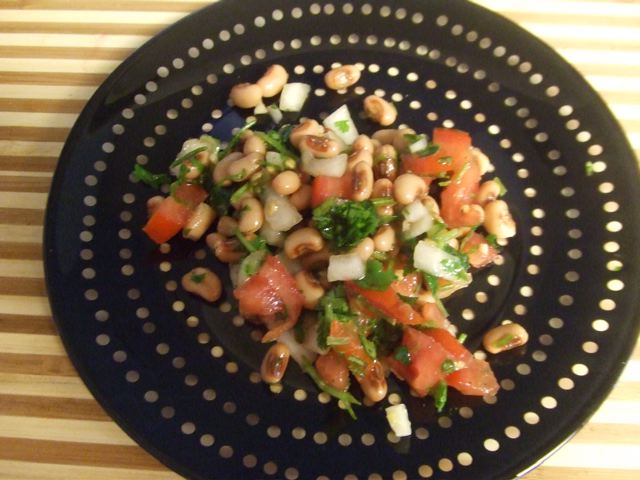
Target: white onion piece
<point x="430" y="258"/>
<point x="275" y="113"/>
<point x="341" y="124"/>
<point x="260" y="109"/>
<point x="349" y="266"/>
<point x="311" y="337"/>
<point x="189" y="146"/>
<point x="234" y="274"/>
<point x="414" y="211"/>
<point x="279" y="213"/>
<point x="417" y="219"/>
<point x="419" y="145"/>
<point x="271" y="236"/>
<point x="330" y="167"/>
<point x="249" y="266"/>
<point x="293" y="96"/>
<point x="274" y="158"/>
<point x="291" y="264"/>
<point x="418" y="227"/>
<point x="297" y="350"/>
<point x="398" y="418"/>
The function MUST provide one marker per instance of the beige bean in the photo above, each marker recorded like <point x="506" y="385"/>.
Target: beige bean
<point x="273" y="80"/>
<point x="246" y="95"/>
<point x="202" y="282"/>
<point x="373" y="382"/>
<point x="488" y="191"/>
<point x="379" y="110"/>
<point x="227" y="226"/>
<point x="385" y="161"/>
<point x="254" y="144"/>
<point x="383" y="188"/>
<point x="301" y="198"/>
<point x="251" y="216"/>
<point x="316" y="260"/>
<point x="342" y="77"/>
<point x="153" y="203"/>
<point x="408" y="187"/>
<point x="400" y="142"/>
<point x="359" y="156"/>
<point x="498" y="220"/>
<point x="365" y="248"/>
<point x="311" y="289"/>
<point x="362" y="143"/>
<point x="483" y="161"/>
<point x="384" y="239"/>
<point x="308" y="127"/>
<point x="199" y="221"/>
<point x="286" y="183"/>
<point x="362" y="182"/>
<point x="472" y="214"/>
<point x="275" y="362"/>
<point x="227" y="250"/>
<point x="244" y="167"/>
<point x="385" y="136"/>
<point x="221" y="170"/>
<point x="505" y="337"/>
<point x="320" y="147"/>
<point x="303" y="241"/>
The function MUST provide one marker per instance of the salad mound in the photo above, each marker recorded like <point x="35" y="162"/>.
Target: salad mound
<point x="343" y="246"/>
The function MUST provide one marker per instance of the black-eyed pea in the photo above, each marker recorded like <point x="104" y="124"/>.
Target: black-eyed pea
<point x="373" y="382"/>
<point x="362" y="143"/>
<point x="275" y="362"/>
<point x="319" y="146"/>
<point x="153" y="203"/>
<point x="246" y="95"/>
<point x="400" y="141"/>
<point x="383" y="188"/>
<point x="385" y="161"/>
<point x="273" y="80"/>
<point x="472" y="214"/>
<point x="310" y="288"/>
<point x="254" y="144"/>
<point x="199" y="222"/>
<point x="227" y="250"/>
<point x="302" y="241"/>
<point x="505" y="337"/>
<point x="316" y="261"/>
<point x="488" y="191"/>
<point x="286" y="183"/>
<point x="483" y="161"/>
<point x="301" y="198"/>
<point x="342" y="77"/>
<point x="359" y="156"/>
<point x="384" y="239"/>
<point x="362" y="182"/>
<point x="365" y="248"/>
<point x="251" y="216"/>
<point x="221" y="170"/>
<point x="408" y="187"/>
<point x="379" y="110"/>
<point x="384" y="136"/>
<point x="308" y="127"/>
<point x="227" y="226"/>
<point x="202" y="282"/>
<point x="245" y="166"/>
<point x="498" y="220"/>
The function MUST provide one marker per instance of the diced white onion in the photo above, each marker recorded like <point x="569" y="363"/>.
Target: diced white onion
<point x="234" y="274"/>
<point x="341" y="124"/>
<point x="331" y="167"/>
<point x="293" y="96"/>
<point x="418" y="227"/>
<point x="260" y="109"/>
<point x="417" y="219"/>
<point x="311" y="336"/>
<point x="419" y="145"/>
<point x="272" y="237"/>
<point x="274" y="158"/>
<point x="253" y="261"/>
<point x="279" y="213"/>
<point x="430" y="258"/>
<point x="275" y="113"/>
<point x="297" y="350"/>
<point x="348" y="266"/>
<point x="415" y="211"/>
<point x="398" y="418"/>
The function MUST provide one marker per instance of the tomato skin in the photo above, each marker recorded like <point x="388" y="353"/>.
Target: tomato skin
<point x="167" y="220"/>
<point x="461" y="192"/>
<point x="325" y="187"/>
<point x="271" y="294"/>
<point x="388" y="302"/>
<point x="479" y="255"/>
<point x="190" y="194"/>
<point x="453" y="143"/>
<point x="333" y="369"/>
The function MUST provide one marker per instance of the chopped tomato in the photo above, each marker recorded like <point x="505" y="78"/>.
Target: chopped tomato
<point x="453" y="152"/>
<point x="449" y="343"/>
<point x="333" y="369"/>
<point x="433" y="315"/>
<point x="168" y="219"/>
<point x="347" y="341"/>
<point x="272" y="296"/>
<point x="408" y="285"/>
<point x="459" y="195"/>
<point x="388" y="302"/>
<point x="190" y="194"/>
<point x="478" y="250"/>
<point x="325" y="187"/>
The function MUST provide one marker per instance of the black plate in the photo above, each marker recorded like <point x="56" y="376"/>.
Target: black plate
<point x="180" y="377"/>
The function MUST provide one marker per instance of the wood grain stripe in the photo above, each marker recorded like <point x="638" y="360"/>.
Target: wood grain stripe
<point x="72" y="16"/>
<point x="22" y="286"/>
<point x="28" y="163"/>
<point x="81" y="28"/>
<point x="89" y="53"/>
<point x="20" y="234"/>
<point x="36" y="119"/>
<point x="41" y="105"/>
<point x="566" y="473"/>
<point x="15" y="470"/>
<point x="30" y="149"/>
<point x="76" y="453"/>
<point x="43" y="386"/>
<point x="605" y="433"/>
<point x="31" y="344"/>
<point x="22" y="269"/>
<point x="122" y="5"/>
<point x="34" y="134"/>
<point x="596" y="455"/>
<point x="45" y="91"/>
<point x="52" y="78"/>
<point x="31" y="251"/>
<point x="21" y="216"/>
<point x="47" y="407"/>
<point x="51" y="365"/>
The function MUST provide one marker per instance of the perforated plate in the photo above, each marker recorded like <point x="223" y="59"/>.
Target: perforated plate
<point x="180" y="376"/>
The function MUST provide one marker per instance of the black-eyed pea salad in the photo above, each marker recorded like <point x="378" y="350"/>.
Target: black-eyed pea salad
<point x="343" y="245"/>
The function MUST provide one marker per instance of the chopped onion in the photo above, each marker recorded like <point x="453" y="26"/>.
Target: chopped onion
<point x="331" y="167"/>
<point x="234" y="274"/>
<point x="293" y="265"/>
<point x="430" y="258"/>
<point x="415" y="211"/>
<point x="311" y="334"/>
<point x="341" y="124"/>
<point x="275" y="159"/>
<point x="297" y="350"/>
<point x="260" y="109"/>
<point x="417" y="219"/>
<point x="349" y="266"/>
<point x="398" y="418"/>
<point x="419" y="145"/>
<point x="418" y="227"/>
<point x="293" y="96"/>
<point x="275" y="113"/>
<point x="250" y="265"/>
<point x="279" y="213"/>
<point x="272" y="237"/>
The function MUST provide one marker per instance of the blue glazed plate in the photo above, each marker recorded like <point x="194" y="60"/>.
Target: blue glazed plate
<point x="181" y="377"/>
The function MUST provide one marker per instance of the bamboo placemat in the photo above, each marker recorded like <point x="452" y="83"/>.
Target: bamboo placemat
<point x="53" y="55"/>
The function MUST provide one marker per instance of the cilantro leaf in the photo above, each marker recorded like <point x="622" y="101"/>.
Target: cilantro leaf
<point x="235" y="139"/>
<point x="344" y="223"/>
<point x="448" y="366"/>
<point x="376" y="278"/>
<point x="253" y="245"/>
<point x="439" y="394"/>
<point x="155" y="180"/>
<point x="342" y="125"/>
<point x="332" y="306"/>
<point x="197" y="277"/>
<point x="410" y="300"/>
<point x="403" y="355"/>
<point x="346" y="398"/>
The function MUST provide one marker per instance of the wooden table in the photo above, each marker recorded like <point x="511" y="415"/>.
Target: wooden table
<point x="53" y="55"/>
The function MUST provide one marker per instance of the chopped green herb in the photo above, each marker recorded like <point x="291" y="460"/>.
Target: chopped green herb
<point x="369" y="346"/>
<point x="376" y="278"/>
<point x="276" y="141"/>
<point x="492" y="240"/>
<point x="503" y="188"/>
<point x="504" y="340"/>
<point x="236" y="139"/>
<point x="343" y="126"/>
<point x="219" y="198"/>
<point x="190" y="155"/>
<point x="588" y="168"/>
<point x="344" y="223"/>
<point x="432" y="281"/>
<point x="155" y="180"/>
<point x="254" y="245"/>
<point x="198" y="277"/>
<point x="462" y="172"/>
<point x="334" y="341"/>
<point x="410" y="300"/>
<point x="345" y="397"/>
<point x="237" y="195"/>
<point x="448" y="366"/>
<point x="462" y="337"/>
<point x="447" y="160"/>
<point x="382" y="201"/>
<point x="403" y="355"/>
<point x="439" y="394"/>
<point x="332" y="306"/>
<point x="385" y="336"/>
